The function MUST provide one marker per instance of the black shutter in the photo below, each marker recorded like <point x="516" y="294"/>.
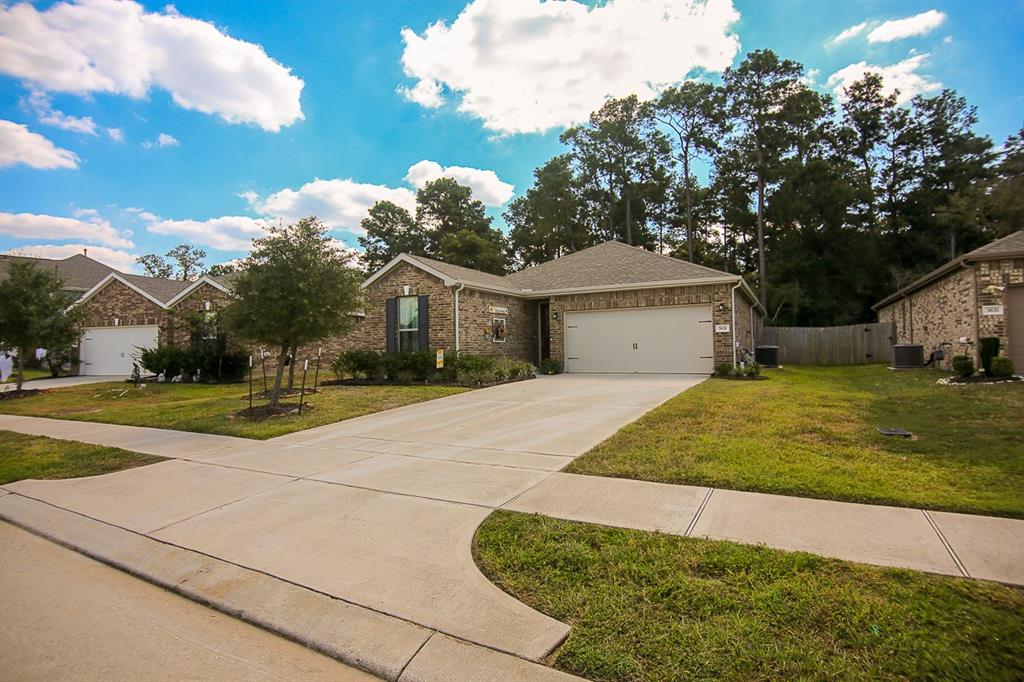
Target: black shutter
<point x="424" y="321"/>
<point x="391" y="324"/>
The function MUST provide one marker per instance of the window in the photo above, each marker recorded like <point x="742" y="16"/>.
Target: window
<point x="408" y="324"/>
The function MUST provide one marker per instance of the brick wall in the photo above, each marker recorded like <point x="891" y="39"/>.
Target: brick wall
<point x="475" y="325"/>
<point x="175" y="329"/>
<point x="119" y="305"/>
<point x="994" y="279"/>
<point x="718" y="296"/>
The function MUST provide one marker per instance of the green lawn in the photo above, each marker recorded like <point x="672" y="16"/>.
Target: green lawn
<point x="24" y="456"/>
<point x="211" y="408"/>
<point x="651" y="607"/>
<point x="30" y="374"/>
<point x="810" y="432"/>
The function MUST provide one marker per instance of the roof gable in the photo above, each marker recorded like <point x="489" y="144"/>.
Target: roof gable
<point x="78" y="272"/>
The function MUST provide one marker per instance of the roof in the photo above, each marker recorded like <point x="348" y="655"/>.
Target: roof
<point x="78" y="272"/>
<point x="608" y="266"/>
<point x="1010" y="246"/>
<point x="160" y="288"/>
<point x="610" y="263"/>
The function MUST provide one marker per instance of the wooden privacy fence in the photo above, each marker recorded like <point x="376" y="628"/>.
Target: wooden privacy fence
<point x="852" y="344"/>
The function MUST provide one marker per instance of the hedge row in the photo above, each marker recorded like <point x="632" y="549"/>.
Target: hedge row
<point x="406" y="368"/>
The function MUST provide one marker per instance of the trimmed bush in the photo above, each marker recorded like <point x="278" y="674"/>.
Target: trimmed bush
<point x="1001" y="367"/>
<point x="359" y="364"/>
<point x="406" y="368"/>
<point x="550" y="366"/>
<point x="988" y="347"/>
<point x="724" y="370"/>
<point x="211" y="363"/>
<point x="752" y="370"/>
<point x="963" y="365"/>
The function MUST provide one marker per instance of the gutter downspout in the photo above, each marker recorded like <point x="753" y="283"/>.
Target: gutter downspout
<point x="461" y="287"/>
<point x="733" y="327"/>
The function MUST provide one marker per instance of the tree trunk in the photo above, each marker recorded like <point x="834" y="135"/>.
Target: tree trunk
<point x="291" y="368"/>
<point x="21" y="367"/>
<point x="762" y="267"/>
<point x="689" y="208"/>
<point x="952" y="243"/>
<point x="275" y="395"/>
<point x="629" y="223"/>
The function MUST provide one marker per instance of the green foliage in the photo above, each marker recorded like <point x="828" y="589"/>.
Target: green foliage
<point x="187" y="258"/>
<point x="724" y="370"/>
<point x="359" y="364"/>
<point x="1001" y="367"/>
<point x="295" y="289"/>
<point x="421" y="367"/>
<point x="988" y="347"/>
<point x="550" y="366"/>
<point x="34" y="312"/>
<point x="389" y="231"/>
<point x="211" y="363"/>
<point x="963" y="365"/>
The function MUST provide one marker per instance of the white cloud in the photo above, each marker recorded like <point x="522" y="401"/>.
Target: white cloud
<point x="162" y="140"/>
<point x="87" y="226"/>
<point x="901" y="76"/>
<point x="226" y="233"/>
<point x="39" y="103"/>
<point x="919" y="24"/>
<point x="116" y="134"/>
<point x="99" y="46"/>
<point x="851" y="32"/>
<point x="486" y="185"/>
<point x="20" y="145"/>
<point x="530" y="66"/>
<point x="340" y="204"/>
<point x="119" y="260"/>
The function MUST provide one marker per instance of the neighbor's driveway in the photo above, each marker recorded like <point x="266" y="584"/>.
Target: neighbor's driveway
<point x="379" y="511"/>
<point x="60" y="382"/>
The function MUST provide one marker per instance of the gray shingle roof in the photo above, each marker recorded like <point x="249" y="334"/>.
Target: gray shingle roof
<point x="159" y="288"/>
<point x="468" y="275"/>
<point x="1006" y="247"/>
<point x="77" y="272"/>
<point x="609" y="264"/>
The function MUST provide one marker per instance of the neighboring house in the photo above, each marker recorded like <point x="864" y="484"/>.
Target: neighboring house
<point x="976" y="295"/>
<point x="79" y="272"/>
<point x="609" y="308"/>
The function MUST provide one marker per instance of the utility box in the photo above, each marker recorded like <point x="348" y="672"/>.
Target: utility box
<point x="767" y="356"/>
<point x="907" y="356"/>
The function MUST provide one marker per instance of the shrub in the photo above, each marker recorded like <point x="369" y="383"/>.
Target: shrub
<point x="724" y="370"/>
<point x="212" y="363"/>
<point x="476" y="369"/>
<point x="752" y="370"/>
<point x="550" y="366"/>
<point x="408" y="367"/>
<point x="1001" y="367"/>
<point x="963" y="365"/>
<point x="514" y="370"/>
<point x="989" y="348"/>
<point x="359" y="364"/>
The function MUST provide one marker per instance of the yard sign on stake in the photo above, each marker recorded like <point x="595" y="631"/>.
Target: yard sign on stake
<point x="250" y="385"/>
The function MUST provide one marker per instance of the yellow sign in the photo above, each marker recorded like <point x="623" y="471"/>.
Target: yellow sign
<point x="440" y="358"/>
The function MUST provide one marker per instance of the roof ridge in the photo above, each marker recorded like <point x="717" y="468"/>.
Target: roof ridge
<point x="985" y="247"/>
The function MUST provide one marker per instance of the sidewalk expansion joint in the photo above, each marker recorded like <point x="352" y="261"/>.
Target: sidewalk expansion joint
<point x="696" y="516"/>
<point x="945" y="543"/>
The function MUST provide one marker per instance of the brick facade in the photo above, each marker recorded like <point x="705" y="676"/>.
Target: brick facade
<point x="118" y="305"/>
<point x="476" y="320"/>
<point x="718" y="296"/>
<point x="952" y="308"/>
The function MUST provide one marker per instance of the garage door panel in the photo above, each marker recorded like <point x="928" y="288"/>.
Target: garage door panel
<point x="111" y="350"/>
<point x="676" y="339"/>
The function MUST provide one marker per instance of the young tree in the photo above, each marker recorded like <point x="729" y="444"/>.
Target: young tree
<point x="758" y="91"/>
<point x="390" y="230"/>
<point x="695" y="112"/>
<point x="32" y="312"/>
<point x="188" y="258"/>
<point x="295" y="288"/>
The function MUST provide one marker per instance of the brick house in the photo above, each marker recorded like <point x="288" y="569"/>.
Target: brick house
<point x="979" y="294"/>
<point x="609" y="308"/>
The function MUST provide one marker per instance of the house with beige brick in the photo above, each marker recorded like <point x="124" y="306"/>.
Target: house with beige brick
<point x="951" y="308"/>
<point x="608" y="308"/>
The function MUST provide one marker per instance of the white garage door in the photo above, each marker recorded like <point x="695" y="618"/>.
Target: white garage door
<point x="111" y="350"/>
<point x="640" y="340"/>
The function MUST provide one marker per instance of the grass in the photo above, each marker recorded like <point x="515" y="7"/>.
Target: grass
<point x="810" y="432"/>
<point x="211" y="408"/>
<point x="24" y="456"/>
<point x="650" y="607"/>
<point x="30" y="374"/>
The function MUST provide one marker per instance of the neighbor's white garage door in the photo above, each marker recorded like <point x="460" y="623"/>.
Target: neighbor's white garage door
<point x="111" y="350"/>
<point x="640" y="340"/>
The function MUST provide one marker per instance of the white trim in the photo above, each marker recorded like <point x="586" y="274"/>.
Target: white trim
<point x="193" y="286"/>
<point x="406" y="258"/>
<point x="658" y="284"/>
<point x="106" y="280"/>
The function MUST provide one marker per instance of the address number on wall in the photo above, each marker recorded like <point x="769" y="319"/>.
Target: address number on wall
<point x="721" y="329"/>
<point x="991" y="310"/>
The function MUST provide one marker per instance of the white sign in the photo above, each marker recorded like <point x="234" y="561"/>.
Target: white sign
<point x="991" y="310"/>
<point x="501" y="310"/>
<point x="721" y="329"/>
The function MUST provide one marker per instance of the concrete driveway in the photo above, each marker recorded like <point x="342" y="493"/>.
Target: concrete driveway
<point x="60" y="382"/>
<point x="379" y="511"/>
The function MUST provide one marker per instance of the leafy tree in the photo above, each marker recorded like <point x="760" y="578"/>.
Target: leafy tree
<point x="390" y="230"/>
<point x="188" y="259"/>
<point x="865" y="113"/>
<point x="221" y="269"/>
<point x="548" y="221"/>
<point x="294" y="288"/>
<point x="695" y="112"/>
<point x="32" y="312"/>
<point x="471" y="250"/>
<point x="759" y="91"/>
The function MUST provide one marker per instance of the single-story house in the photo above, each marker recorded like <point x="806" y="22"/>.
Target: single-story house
<point x="608" y="308"/>
<point x="979" y="294"/>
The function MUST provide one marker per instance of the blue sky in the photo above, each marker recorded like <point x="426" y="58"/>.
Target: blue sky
<point x="130" y="128"/>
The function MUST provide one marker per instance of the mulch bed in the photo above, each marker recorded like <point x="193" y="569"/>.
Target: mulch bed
<point x="959" y="381"/>
<point x="261" y="412"/>
<point x="374" y="382"/>
<point x="23" y="393"/>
